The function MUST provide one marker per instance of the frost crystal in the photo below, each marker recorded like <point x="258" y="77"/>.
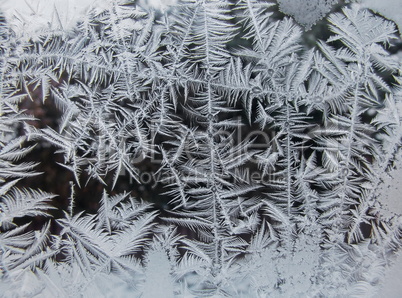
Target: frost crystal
<point x="306" y="12"/>
<point x="203" y="151"/>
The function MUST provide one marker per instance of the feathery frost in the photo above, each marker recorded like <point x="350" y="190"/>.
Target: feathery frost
<point x="268" y="154"/>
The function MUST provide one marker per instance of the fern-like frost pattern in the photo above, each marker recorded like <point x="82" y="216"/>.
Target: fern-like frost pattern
<point x="267" y="152"/>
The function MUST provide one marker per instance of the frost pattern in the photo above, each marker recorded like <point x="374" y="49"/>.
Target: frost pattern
<point x="306" y="12"/>
<point x="390" y="9"/>
<point x="271" y="155"/>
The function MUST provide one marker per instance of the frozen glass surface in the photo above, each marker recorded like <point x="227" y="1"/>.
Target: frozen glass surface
<point x="199" y="149"/>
